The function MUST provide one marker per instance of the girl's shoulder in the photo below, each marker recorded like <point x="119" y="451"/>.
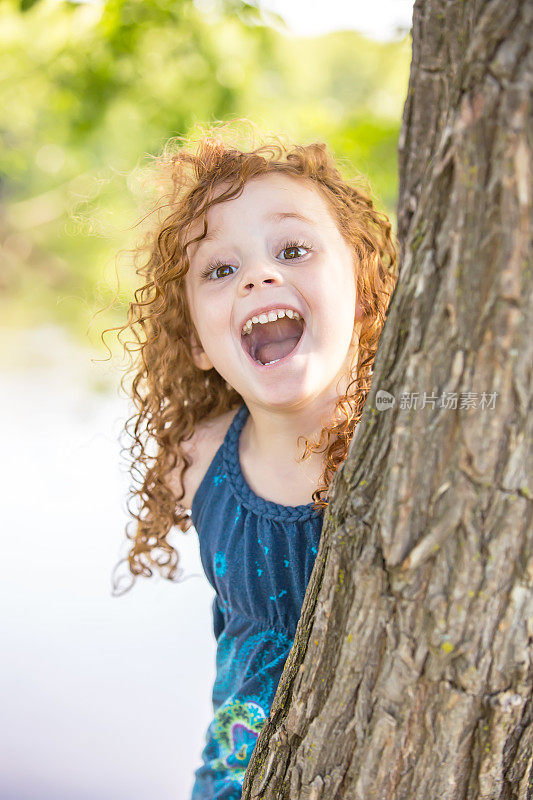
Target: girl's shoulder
<point x="201" y="449"/>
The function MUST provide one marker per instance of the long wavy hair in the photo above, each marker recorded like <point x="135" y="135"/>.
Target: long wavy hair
<point x="170" y="393"/>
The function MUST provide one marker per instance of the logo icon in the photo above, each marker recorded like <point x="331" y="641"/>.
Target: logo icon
<point x="384" y="400"/>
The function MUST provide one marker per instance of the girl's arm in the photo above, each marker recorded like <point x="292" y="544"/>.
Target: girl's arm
<point x="193" y="449"/>
<point x="200" y="449"/>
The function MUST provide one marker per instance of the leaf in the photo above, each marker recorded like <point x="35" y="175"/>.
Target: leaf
<point x="25" y="5"/>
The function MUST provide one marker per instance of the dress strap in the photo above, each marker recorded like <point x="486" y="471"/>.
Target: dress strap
<point x="241" y="489"/>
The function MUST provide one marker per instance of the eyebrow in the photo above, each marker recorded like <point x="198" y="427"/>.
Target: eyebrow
<point x="278" y="216"/>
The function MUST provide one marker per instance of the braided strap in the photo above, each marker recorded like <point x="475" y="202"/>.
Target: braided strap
<point x="241" y="490"/>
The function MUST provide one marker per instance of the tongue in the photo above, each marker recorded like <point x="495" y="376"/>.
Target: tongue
<point x="274" y="350"/>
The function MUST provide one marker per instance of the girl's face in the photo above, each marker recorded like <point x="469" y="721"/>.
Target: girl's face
<point x="276" y="246"/>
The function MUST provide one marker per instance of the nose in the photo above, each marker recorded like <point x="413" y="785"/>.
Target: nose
<point x="258" y="273"/>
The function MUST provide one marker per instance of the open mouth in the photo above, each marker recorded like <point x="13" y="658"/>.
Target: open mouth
<point x="271" y="342"/>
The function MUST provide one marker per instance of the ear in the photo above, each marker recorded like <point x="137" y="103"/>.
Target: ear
<point x="200" y="357"/>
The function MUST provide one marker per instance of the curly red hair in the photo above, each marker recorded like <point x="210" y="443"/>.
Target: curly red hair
<point x="172" y="395"/>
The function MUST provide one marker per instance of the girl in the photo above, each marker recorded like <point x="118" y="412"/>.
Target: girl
<point x="266" y="288"/>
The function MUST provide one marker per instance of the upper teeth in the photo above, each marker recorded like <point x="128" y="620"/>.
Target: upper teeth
<point x="270" y="316"/>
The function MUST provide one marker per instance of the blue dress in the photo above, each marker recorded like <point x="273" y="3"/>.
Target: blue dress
<point x="258" y="556"/>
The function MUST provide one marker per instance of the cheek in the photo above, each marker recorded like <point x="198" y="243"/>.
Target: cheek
<point x="189" y="301"/>
<point x="348" y="282"/>
<point x="338" y="307"/>
<point x="337" y="290"/>
<point x="211" y="319"/>
<point x="195" y="320"/>
<point x="194" y="305"/>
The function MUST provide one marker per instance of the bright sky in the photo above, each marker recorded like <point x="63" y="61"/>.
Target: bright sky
<point x="379" y="19"/>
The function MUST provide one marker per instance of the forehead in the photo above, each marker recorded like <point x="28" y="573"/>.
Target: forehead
<point x="272" y="197"/>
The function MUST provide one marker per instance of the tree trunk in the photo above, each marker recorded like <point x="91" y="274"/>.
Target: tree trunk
<point x="411" y="673"/>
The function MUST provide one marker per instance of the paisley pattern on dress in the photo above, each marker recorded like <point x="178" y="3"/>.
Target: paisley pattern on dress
<point x="235" y="729"/>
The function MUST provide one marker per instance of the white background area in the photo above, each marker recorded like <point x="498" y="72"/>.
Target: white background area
<point x="380" y="19"/>
<point x="102" y="698"/>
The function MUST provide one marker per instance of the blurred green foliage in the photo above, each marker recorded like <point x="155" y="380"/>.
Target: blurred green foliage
<point x="88" y="89"/>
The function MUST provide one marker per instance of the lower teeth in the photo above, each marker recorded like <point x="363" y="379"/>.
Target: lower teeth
<point x="267" y="362"/>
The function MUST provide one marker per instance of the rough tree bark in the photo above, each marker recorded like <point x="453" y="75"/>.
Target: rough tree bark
<point x="411" y="673"/>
